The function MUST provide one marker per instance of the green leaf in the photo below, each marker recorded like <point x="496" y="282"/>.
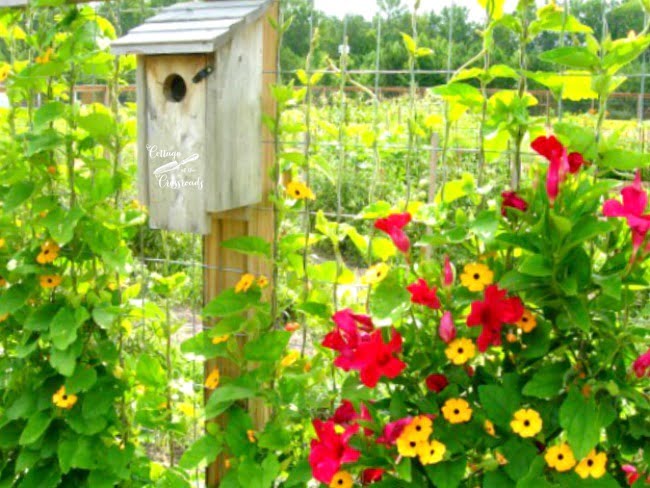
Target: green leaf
<point x="250" y="245"/>
<point x="299" y="475"/>
<point x="48" y="112"/>
<point x="41" y="318"/>
<point x="579" y="419"/>
<point x="578" y="313"/>
<point x="536" y="266"/>
<point x="17" y="195"/>
<point x="624" y="51"/>
<point x="47" y="476"/>
<point x="497" y="479"/>
<point x="624" y="160"/>
<point x="23" y="407"/>
<point x="547" y="382"/>
<point x="448" y="474"/>
<point x="409" y="43"/>
<point x="83" y="378"/>
<point x="520" y="454"/>
<point x="63" y="361"/>
<point x="485" y="225"/>
<point x="37" y="424"/>
<point x="150" y="372"/>
<point x="267" y="347"/>
<point x="224" y="396"/>
<point x="389" y="299"/>
<point x="76" y="452"/>
<point x="315" y="309"/>
<point x="498" y="403"/>
<point x="251" y="473"/>
<point x="204" y="451"/>
<point x="230" y="303"/>
<point x="13" y="299"/>
<point x="573" y="57"/>
<point x="404" y="469"/>
<point x="98" y="124"/>
<point x="63" y="329"/>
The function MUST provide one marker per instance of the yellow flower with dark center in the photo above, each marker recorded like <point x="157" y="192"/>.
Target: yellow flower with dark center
<point x="457" y="411"/>
<point x="431" y="452"/>
<point x="476" y="276"/>
<point x="527" y="322"/>
<point x="461" y="350"/>
<point x="5" y="69"/>
<point x="244" y="283"/>
<point x="212" y="381"/>
<point x="488" y="426"/>
<point x="593" y="465"/>
<point x="526" y="422"/>
<point x="45" y="57"/>
<point x="342" y="479"/>
<point x="220" y="339"/>
<point x="299" y="191"/>
<point x="419" y="429"/>
<point x="290" y="359"/>
<point x="250" y="433"/>
<point x="375" y="274"/>
<point x="262" y="281"/>
<point x="62" y="400"/>
<point x="49" y="252"/>
<point x="560" y="457"/>
<point x="407" y="446"/>
<point x="50" y="281"/>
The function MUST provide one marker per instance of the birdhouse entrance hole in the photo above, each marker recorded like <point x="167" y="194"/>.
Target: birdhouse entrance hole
<point x="174" y="88"/>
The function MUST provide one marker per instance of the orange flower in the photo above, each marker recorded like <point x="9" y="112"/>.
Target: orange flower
<point x="49" y="252"/>
<point x="50" y="281"/>
<point x="251" y="435"/>
<point x="45" y="57"/>
<point x="527" y="322"/>
<point x="212" y="381"/>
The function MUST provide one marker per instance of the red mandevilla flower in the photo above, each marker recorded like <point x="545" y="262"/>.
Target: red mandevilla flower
<point x="346" y="415"/>
<point x="393" y="225"/>
<point x="375" y="358"/>
<point x="510" y="199"/>
<point x="423" y="295"/>
<point x="392" y="431"/>
<point x="371" y="475"/>
<point x="635" y="201"/>
<point x="448" y="273"/>
<point x="631" y="474"/>
<point x="330" y="450"/>
<point x="560" y="163"/>
<point x="437" y="382"/>
<point x="491" y="313"/>
<point x="447" y="329"/>
<point x="641" y="366"/>
<point x="351" y="330"/>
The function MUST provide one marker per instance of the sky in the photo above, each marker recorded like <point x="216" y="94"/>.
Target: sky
<point x="368" y="8"/>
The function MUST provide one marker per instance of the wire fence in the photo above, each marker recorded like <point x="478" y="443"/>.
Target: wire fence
<point x="359" y="143"/>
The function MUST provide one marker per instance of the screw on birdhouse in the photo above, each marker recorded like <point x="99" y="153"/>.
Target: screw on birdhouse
<point x="201" y="75"/>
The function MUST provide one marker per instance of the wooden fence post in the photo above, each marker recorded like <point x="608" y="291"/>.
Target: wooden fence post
<point x="223" y="268"/>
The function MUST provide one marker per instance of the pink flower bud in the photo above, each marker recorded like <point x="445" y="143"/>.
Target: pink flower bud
<point x="448" y="277"/>
<point x="447" y="329"/>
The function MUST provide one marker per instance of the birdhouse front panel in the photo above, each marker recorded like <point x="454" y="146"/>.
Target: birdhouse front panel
<point x="175" y="142"/>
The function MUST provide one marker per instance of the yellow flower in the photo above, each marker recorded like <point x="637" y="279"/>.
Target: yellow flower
<point x="488" y="426"/>
<point x="50" y="281"/>
<point x="187" y="409"/>
<point x="456" y="411"/>
<point x="45" y="57"/>
<point x="408" y="446"/>
<point x="526" y="422"/>
<point x="476" y="276"/>
<point x="212" y="381"/>
<point x="5" y="69"/>
<point x="299" y="191"/>
<point x="375" y="274"/>
<point x="290" y="358"/>
<point x="2" y="242"/>
<point x="62" y="400"/>
<point x="527" y="322"/>
<point x="431" y="452"/>
<point x="501" y="459"/>
<point x="419" y="429"/>
<point x="4" y="317"/>
<point x="593" y="465"/>
<point x="560" y="457"/>
<point x="49" y="252"/>
<point x="220" y="339"/>
<point x="244" y="283"/>
<point x="251" y="435"/>
<point x="342" y="479"/>
<point x="459" y="351"/>
<point x="262" y="281"/>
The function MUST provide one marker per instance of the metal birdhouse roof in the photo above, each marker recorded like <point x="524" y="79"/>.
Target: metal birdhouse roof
<point x="192" y="27"/>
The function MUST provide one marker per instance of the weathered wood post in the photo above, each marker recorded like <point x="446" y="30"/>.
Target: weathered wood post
<point x="203" y="82"/>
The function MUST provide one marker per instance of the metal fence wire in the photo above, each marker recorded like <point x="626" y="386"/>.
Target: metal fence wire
<point x="361" y="142"/>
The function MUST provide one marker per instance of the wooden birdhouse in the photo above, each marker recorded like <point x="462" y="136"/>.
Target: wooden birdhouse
<point x="199" y="96"/>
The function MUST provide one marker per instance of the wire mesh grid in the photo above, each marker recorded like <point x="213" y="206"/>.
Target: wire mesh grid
<point x="352" y="133"/>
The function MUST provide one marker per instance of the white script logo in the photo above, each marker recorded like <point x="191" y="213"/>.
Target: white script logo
<point x="177" y="173"/>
